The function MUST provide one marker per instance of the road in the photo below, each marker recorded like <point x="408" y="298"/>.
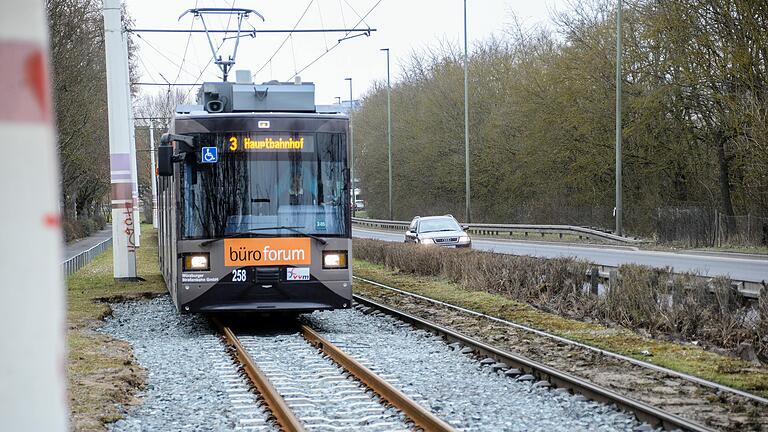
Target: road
<point x="77" y="247"/>
<point x="737" y="267"/>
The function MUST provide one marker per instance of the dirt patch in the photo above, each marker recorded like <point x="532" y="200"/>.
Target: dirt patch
<point x="715" y="409"/>
<point x="103" y="376"/>
<point x="113" y="379"/>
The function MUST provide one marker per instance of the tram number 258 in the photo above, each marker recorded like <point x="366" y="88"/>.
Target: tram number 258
<point x="239" y="275"/>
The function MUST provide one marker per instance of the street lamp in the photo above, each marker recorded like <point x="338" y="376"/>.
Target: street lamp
<point x="351" y="151"/>
<point x="618" y="121"/>
<point x="389" y="135"/>
<point x="466" y="118"/>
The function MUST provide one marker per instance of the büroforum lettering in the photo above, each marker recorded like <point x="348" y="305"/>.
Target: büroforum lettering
<point x="244" y="254"/>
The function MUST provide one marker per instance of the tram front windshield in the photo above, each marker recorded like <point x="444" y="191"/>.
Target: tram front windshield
<point x="265" y="184"/>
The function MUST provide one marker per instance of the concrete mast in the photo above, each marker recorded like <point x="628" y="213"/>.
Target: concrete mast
<point x="32" y="365"/>
<point x="153" y="173"/>
<point x="132" y="144"/>
<point x="121" y="162"/>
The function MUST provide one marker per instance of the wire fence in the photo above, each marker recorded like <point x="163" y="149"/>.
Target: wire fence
<point x="741" y="231"/>
<point x="704" y="227"/>
<point x="78" y="261"/>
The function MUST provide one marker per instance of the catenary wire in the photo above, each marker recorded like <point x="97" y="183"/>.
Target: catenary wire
<point x="362" y="19"/>
<point x="284" y="40"/>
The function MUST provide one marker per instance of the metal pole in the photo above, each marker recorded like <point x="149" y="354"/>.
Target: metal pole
<point x="33" y="361"/>
<point x="619" y="230"/>
<point x="466" y="119"/>
<point x="153" y="173"/>
<point x="389" y="136"/>
<point x="121" y="168"/>
<point x="351" y="150"/>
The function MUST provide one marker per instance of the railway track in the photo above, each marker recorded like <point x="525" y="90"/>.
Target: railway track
<point x="563" y="340"/>
<point x="651" y="413"/>
<point x="308" y="383"/>
<point x="299" y="375"/>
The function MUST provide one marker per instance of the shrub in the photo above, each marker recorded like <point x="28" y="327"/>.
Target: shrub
<point x="641" y="297"/>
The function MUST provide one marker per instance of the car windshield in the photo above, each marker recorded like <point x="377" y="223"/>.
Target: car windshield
<point x="261" y="183"/>
<point x="441" y="224"/>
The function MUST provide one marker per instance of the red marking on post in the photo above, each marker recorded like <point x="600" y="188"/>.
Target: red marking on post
<point x="37" y="79"/>
<point x="24" y="83"/>
<point x="51" y="220"/>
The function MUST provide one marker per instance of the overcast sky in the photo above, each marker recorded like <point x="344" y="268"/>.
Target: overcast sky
<point x="403" y="26"/>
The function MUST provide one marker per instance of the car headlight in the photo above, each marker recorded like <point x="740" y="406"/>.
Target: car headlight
<point x="197" y="262"/>
<point x="334" y="259"/>
<point x="427" y="241"/>
<point x="464" y="239"/>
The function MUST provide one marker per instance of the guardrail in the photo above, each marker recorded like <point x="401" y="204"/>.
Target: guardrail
<point x="509" y="229"/>
<point x="600" y="275"/>
<point x="78" y="261"/>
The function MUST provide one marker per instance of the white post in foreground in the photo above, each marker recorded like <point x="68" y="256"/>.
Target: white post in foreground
<point x="120" y="159"/>
<point x="132" y="145"/>
<point x="153" y="173"/>
<point x="32" y="356"/>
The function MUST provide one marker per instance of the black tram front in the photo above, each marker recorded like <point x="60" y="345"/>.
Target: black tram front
<point x="255" y="215"/>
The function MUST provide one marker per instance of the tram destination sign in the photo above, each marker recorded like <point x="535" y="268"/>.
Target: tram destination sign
<point x="245" y="142"/>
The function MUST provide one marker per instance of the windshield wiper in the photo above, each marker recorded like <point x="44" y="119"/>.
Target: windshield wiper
<point x="440" y="230"/>
<point x="293" y="229"/>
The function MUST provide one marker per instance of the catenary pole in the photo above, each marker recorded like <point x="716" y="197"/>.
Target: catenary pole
<point x="132" y="146"/>
<point x="120" y="160"/>
<point x="467" y="210"/>
<point x="389" y="135"/>
<point x="619" y="212"/>
<point x="33" y="362"/>
<point x="153" y="172"/>
<point x="351" y="151"/>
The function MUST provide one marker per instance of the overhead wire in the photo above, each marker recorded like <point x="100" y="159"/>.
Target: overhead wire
<point x="186" y="47"/>
<point x="170" y="60"/>
<point x="223" y="40"/>
<point x="362" y="19"/>
<point x="341" y="9"/>
<point x="285" y="40"/>
<point x="322" y="24"/>
<point x="356" y="13"/>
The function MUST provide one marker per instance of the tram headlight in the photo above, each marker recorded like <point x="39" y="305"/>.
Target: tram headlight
<point x="197" y="262"/>
<point x="334" y="259"/>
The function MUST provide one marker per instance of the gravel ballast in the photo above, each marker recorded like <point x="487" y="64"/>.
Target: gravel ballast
<point x="457" y="387"/>
<point x="192" y="382"/>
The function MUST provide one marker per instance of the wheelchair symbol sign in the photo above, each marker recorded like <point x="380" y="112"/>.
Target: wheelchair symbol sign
<point x="210" y="155"/>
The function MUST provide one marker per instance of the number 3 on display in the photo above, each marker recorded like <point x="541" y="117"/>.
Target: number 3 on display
<point x="238" y="275"/>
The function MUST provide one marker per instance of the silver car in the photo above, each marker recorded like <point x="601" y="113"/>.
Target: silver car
<point x="437" y="230"/>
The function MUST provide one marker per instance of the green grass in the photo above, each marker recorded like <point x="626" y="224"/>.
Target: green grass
<point x="100" y="369"/>
<point x="684" y="358"/>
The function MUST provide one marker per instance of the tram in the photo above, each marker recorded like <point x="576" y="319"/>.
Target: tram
<point x="253" y="200"/>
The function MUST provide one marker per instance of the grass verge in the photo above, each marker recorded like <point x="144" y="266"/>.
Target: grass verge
<point x="686" y="358"/>
<point x="101" y="370"/>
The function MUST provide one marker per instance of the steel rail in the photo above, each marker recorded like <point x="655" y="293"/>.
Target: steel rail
<point x="643" y="411"/>
<point x="418" y="414"/>
<point x="283" y="414"/>
<point x="561" y="339"/>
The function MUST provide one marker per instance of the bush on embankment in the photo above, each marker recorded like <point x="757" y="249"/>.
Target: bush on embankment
<point x="80" y="228"/>
<point x="679" y="306"/>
